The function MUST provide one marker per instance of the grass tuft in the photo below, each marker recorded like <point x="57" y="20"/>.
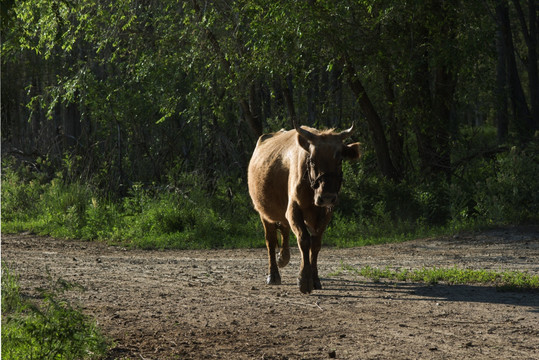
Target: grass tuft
<point x="503" y="280"/>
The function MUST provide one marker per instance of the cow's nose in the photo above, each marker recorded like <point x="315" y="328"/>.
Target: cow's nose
<point x="327" y="199"/>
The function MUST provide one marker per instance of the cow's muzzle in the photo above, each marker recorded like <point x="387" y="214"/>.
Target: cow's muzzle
<point x="326" y="199"/>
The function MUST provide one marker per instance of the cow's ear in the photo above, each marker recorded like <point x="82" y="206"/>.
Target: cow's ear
<point x="304" y="143"/>
<point x="352" y="151"/>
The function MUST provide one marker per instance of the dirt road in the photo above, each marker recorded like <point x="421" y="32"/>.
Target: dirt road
<point x="215" y="305"/>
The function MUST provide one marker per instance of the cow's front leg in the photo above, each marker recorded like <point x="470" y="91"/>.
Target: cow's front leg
<point x="295" y="218"/>
<point x="305" y="280"/>
<point x="316" y="244"/>
<point x="270" y="232"/>
<point x="322" y="221"/>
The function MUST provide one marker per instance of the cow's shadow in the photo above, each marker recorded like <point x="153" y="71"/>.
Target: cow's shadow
<point x="344" y="288"/>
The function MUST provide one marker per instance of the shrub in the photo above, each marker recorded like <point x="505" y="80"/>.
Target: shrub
<point x="194" y="212"/>
<point x="65" y="207"/>
<point x="371" y="206"/>
<point x="19" y="197"/>
<point x="434" y="201"/>
<point x="509" y="194"/>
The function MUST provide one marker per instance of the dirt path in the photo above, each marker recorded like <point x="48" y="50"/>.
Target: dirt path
<point x="215" y="305"/>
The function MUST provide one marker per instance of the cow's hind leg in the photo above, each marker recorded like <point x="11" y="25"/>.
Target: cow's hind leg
<point x="284" y="254"/>
<point x="270" y="231"/>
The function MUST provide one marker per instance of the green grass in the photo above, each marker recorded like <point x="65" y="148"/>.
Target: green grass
<point x="150" y="218"/>
<point x="503" y="280"/>
<point x="47" y="329"/>
<point x="188" y="211"/>
<point x="147" y="217"/>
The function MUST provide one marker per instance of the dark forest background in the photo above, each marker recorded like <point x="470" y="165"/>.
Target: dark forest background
<point x="136" y="119"/>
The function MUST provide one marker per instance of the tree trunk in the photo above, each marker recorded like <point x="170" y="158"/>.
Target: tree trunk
<point x="396" y="136"/>
<point x="312" y="97"/>
<point x="255" y="106"/>
<point x="254" y="122"/>
<point x="533" y="64"/>
<point x="502" y="121"/>
<point x="381" y="147"/>
<point x="529" y="32"/>
<point x="336" y="91"/>
<point x="265" y="96"/>
<point x="521" y="113"/>
<point x="289" y="100"/>
<point x="423" y="124"/>
<point x="443" y="99"/>
<point x="435" y="89"/>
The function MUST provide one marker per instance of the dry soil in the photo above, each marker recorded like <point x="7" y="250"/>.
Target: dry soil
<point x="215" y="305"/>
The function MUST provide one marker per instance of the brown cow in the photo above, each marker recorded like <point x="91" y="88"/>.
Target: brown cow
<point x="294" y="178"/>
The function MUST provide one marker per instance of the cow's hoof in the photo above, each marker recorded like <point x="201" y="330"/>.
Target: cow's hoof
<point x="273" y="279"/>
<point x="316" y="284"/>
<point x="305" y="285"/>
<point x="283" y="258"/>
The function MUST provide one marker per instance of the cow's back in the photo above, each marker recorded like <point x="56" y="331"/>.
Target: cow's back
<point x="268" y="174"/>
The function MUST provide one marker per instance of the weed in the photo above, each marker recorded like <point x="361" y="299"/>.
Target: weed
<point x="51" y="329"/>
<point x="11" y="297"/>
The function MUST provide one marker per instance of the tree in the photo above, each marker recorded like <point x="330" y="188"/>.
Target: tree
<point x="525" y="121"/>
<point x="136" y="91"/>
<point x="529" y="31"/>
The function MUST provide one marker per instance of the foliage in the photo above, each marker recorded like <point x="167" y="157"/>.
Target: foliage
<point x="135" y="121"/>
<point x="19" y="201"/>
<point x="134" y="90"/>
<point x="51" y="329"/>
<point x="510" y="193"/>
<point x="194" y="214"/>
<point x="147" y="217"/>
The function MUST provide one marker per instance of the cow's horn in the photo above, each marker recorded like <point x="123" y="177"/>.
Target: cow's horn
<point x="304" y="133"/>
<point x="346" y="133"/>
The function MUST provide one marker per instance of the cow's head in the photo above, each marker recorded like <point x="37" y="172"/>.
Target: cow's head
<point x="326" y="151"/>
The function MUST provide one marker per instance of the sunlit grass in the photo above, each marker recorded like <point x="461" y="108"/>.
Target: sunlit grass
<point x="503" y="280"/>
